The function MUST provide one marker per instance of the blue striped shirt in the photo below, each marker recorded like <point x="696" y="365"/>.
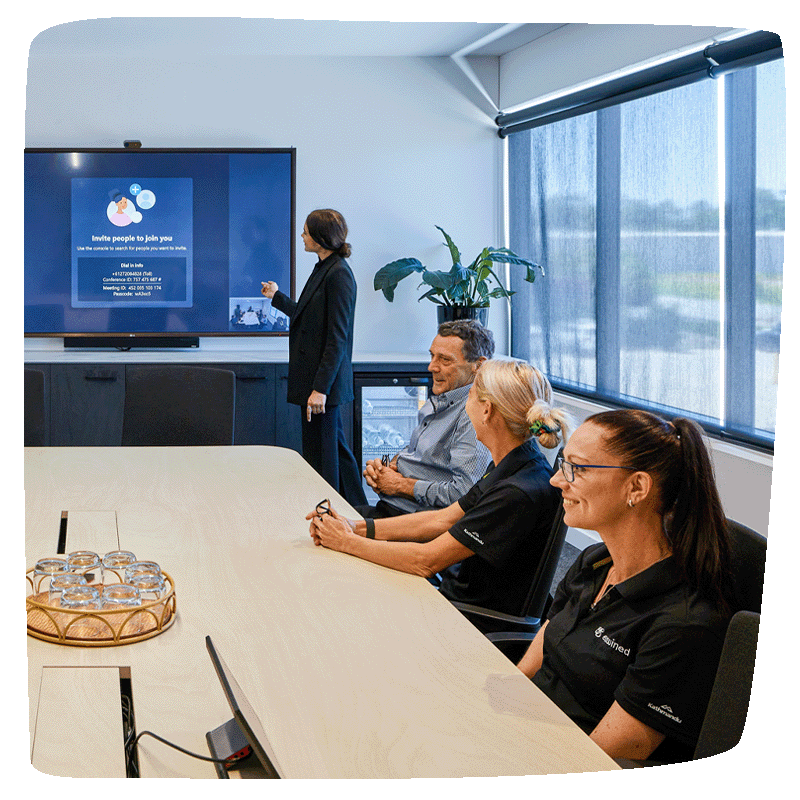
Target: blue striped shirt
<point x="443" y="455"/>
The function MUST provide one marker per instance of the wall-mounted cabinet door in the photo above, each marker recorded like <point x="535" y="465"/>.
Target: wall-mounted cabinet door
<point x="86" y="404"/>
<point x="37" y="429"/>
<point x="287" y="416"/>
<point x="255" y="400"/>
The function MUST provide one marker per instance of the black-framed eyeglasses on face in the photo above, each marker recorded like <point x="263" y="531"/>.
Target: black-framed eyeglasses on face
<point x="323" y="507"/>
<point x="569" y="469"/>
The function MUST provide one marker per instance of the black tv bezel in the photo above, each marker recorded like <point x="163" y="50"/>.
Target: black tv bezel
<point x="174" y="339"/>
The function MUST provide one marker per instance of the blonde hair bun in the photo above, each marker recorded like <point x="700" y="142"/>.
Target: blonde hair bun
<point x="523" y="396"/>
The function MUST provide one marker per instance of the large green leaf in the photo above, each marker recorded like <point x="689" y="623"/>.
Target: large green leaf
<point x="454" y="253"/>
<point x="438" y="279"/>
<point x="387" y="277"/>
<point x="503" y="255"/>
<point x="500" y="292"/>
<point x="484" y="270"/>
<point x="459" y="274"/>
<point x="530" y="273"/>
<point x="482" y="289"/>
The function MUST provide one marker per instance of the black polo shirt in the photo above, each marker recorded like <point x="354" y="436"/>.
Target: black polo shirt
<point x="651" y="644"/>
<point x="507" y="518"/>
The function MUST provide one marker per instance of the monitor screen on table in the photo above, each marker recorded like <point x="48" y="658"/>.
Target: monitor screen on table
<point x="244" y="714"/>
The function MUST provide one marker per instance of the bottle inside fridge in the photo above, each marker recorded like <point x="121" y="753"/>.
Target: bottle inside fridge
<point x="388" y="417"/>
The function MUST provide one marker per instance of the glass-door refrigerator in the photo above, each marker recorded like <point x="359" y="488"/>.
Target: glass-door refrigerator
<point x="385" y="413"/>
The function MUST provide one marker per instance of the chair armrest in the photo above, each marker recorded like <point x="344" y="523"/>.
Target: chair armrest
<point x="511" y="636"/>
<point x="513" y="645"/>
<point x="498" y="620"/>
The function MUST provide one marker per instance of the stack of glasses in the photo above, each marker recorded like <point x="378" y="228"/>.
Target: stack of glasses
<point x="77" y="582"/>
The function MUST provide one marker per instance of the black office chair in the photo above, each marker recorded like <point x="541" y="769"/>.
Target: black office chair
<point x="726" y="714"/>
<point x="512" y="632"/>
<point x="178" y="405"/>
<point x="35" y="434"/>
<point x="748" y="557"/>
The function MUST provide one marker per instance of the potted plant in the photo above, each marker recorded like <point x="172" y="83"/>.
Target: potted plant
<point x="461" y="292"/>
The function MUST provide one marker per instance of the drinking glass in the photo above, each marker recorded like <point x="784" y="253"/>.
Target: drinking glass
<point x="86" y="563"/>
<point x="144" y="567"/>
<point x="44" y="570"/>
<point x="121" y="595"/>
<point x="60" y="582"/>
<point x="150" y="585"/>
<point x="80" y="597"/>
<point x="117" y="560"/>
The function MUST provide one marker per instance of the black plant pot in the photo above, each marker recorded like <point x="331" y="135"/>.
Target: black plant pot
<point x="450" y="313"/>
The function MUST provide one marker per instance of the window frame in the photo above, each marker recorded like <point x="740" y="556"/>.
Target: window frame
<point x="739" y="275"/>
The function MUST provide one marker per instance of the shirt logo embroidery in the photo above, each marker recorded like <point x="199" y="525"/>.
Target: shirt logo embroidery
<point x="473" y="535"/>
<point x="666" y="711"/>
<point x="599" y="633"/>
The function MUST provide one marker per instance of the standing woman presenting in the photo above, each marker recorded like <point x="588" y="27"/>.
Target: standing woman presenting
<point x="321" y="349"/>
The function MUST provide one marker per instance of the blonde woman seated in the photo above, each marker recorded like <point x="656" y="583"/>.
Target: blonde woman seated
<point x="496" y="532"/>
<point x="634" y="634"/>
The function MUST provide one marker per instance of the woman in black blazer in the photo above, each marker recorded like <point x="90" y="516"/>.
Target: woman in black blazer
<point x="321" y="350"/>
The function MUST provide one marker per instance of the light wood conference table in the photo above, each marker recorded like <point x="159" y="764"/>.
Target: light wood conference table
<point x="354" y="670"/>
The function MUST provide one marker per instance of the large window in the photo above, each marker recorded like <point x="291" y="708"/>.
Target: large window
<point x="660" y="224"/>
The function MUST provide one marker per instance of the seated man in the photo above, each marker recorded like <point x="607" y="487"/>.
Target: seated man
<point x="443" y="459"/>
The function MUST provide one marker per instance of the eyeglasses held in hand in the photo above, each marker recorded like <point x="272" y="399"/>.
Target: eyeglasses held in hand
<point x="568" y="469"/>
<point x="323" y="507"/>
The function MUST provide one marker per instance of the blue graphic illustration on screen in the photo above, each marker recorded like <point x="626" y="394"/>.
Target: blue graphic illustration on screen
<point x="132" y="242"/>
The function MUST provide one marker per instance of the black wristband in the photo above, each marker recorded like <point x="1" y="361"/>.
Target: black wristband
<point x="370" y="523"/>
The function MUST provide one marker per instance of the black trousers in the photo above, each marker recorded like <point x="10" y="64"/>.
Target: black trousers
<point x="325" y="449"/>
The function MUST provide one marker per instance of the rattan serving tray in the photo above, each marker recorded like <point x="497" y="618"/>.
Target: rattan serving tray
<point x="98" y="628"/>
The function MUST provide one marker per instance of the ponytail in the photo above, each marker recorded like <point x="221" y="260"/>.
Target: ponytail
<point x="698" y="530"/>
<point x="675" y="455"/>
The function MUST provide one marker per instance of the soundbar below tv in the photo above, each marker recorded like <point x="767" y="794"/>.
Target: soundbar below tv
<point x="156" y="247"/>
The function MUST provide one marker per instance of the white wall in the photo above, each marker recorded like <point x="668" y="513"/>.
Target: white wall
<point x="388" y="141"/>
<point x="578" y="53"/>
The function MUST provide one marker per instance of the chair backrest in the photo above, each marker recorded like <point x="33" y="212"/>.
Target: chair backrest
<point x="35" y="417"/>
<point x="543" y="576"/>
<point x="748" y="556"/>
<point x="178" y="405"/>
<point x="730" y="696"/>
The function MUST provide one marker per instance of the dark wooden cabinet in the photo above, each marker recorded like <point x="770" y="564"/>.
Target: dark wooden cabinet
<point x="37" y="407"/>
<point x="255" y="403"/>
<point x="287" y="417"/>
<point x="86" y="404"/>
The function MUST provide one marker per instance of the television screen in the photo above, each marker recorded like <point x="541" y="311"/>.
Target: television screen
<point x="154" y="242"/>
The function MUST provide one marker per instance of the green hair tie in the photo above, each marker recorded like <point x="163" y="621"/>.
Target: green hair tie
<point x="539" y="426"/>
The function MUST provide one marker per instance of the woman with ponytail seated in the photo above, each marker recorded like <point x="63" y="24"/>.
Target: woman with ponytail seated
<point x="633" y="637"/>
<point x="496" y="532"/>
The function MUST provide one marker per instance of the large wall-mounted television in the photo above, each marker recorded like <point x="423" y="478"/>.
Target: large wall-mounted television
<point x="156" y="247"/>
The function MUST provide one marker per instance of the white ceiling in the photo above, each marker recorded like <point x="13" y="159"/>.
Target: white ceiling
<point x="288" y="37"/>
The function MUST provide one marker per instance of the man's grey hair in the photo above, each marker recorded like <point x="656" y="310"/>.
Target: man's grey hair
<point x="477" y="340"/>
